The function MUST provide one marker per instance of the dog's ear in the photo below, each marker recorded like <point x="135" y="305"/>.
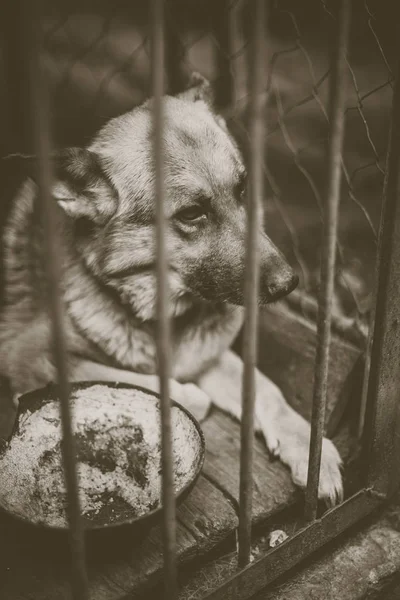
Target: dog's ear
<point x="198" y="90"/>
<point x="81" y="187"/>
<point x="201" y="90"/>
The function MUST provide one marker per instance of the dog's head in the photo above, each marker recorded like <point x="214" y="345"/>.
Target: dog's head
<point x="109" y="192"/>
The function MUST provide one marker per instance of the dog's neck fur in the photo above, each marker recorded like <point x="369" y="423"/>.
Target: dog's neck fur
<point x="98" y="327"/>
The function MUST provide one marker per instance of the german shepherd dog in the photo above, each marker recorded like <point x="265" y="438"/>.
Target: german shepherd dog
<point x="106" y="223"/>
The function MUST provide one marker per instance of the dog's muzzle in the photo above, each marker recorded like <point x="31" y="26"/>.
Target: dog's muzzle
<point x="282" y="289"/>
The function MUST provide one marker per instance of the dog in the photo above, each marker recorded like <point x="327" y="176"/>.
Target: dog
<point x="106" y="226"/>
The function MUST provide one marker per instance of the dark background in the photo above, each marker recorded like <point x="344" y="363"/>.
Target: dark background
<point x="97" y="63"/>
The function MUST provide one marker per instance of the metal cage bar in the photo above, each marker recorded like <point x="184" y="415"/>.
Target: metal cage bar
<point x="41" y="138"/>
<point x="163" y="330"/>
<point x="337" y="110"/>
<point x="223" y="29"/>
<point x="307" y="540"/>
<point x="382" y="419"/>
<point x="256" y="182"/>
<point x="383" y="407"/>
<point x="384" y="377"/>
<point x="15" y="127"/>
<point x="174" y="49"/>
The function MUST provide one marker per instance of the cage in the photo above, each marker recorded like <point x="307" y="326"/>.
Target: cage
<point x="310" y="97"/>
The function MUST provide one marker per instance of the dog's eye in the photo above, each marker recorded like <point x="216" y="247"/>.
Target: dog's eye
<point x="240" y="189"/>
<point x="192" y="214"/>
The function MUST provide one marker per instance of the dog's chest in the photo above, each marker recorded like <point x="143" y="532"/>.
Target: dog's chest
<point x="196" y="343"/>
<point x="199" y="345"/>
<point x="198" y="337"/>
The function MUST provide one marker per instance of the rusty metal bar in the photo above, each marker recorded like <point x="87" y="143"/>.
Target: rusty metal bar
<point x="382" y="418"/>
<point x="39" y="114"/>
<point x="163" y="329"/>
<point x="13" y="89"/>
<point x="367" y="365"/>
<point x="337" y="117"/>
<point x="174" y="49"/>
<point x="223" y="27"/>
<point x="256" y="197"/>
<point x="276" y="562"/>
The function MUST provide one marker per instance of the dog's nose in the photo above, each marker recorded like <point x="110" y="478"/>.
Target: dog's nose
<point x="283" y="288"/>
<point x="277" y="278"/>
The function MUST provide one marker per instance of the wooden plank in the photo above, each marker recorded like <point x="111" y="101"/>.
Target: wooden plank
<point x="206" y="518"/>
<point x="268" y="568"/>
<point x="30" y="570"/>
<point x="287" y="344"/>
<point x="33" y="570"/>
<point x="273" y="487"/>
<point x="215" y="572"/>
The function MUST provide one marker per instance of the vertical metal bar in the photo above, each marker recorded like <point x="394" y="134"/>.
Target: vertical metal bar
<point x="14" y="122"/>
<point x="256" y="180"/>
<point x="337" y="107"/>
<point x="382" y="419"/>
<point x="244" y="584"/>
<point x="223" y="28"/>
<point x="174" y="50"/>
<point x="163" y="330"/>
<point x="41" y="136"/>
<point x="367" y="365"/>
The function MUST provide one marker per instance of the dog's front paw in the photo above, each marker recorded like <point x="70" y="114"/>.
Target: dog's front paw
<point x="193" y="398"/>
<point x="291" y="436"/>
<point x="330" y="486"/>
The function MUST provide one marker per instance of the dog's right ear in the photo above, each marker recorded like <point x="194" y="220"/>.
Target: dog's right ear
<point x="199" y="90"/>
<point x="81" y="187"/>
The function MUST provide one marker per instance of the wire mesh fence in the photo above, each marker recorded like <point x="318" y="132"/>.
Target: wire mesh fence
<point x="98" y="63"/>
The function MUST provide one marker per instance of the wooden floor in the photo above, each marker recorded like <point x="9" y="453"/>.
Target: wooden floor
<point x="33" y="567"/>
<point x="207" y="517"/>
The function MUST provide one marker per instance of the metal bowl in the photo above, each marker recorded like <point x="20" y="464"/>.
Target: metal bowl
<point x="113" y="513"/>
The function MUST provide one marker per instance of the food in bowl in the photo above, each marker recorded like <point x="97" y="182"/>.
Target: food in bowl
<point x="117" y="434"/>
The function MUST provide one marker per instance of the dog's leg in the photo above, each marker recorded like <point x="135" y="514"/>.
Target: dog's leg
<point x="286" y="433"/>
<point x="187" y="394"/>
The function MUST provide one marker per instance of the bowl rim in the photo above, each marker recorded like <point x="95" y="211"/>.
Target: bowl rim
<point x="48" y="392"/>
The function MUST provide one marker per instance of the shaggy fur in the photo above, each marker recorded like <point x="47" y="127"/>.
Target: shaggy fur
<point x="106" y="224"/>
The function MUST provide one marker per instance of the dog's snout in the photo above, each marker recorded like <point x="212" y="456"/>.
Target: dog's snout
<point x="277" y="277"/>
